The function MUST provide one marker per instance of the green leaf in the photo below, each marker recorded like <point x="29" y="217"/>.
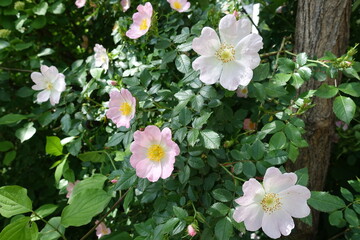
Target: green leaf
<point x="351" y="217"/>
<point x="336" y="219"/>
<point x="94" y="182"/>
<point x="96" y="72"/>
<point x="185" y="116"/>
<point x="200" y="121"/>
<point x="223" y="229"/>
<point x="84" y="207"/>
<point x="26" y="132"/>
<point x="344" y="108"/>
<point x="4" y="3"/>
<point x="211" y="139"/>
<point x="21" y="229"/>
<point x="12" y="118"/>
<point x="305" y="73"/>
<point x="192" y="136"/>
<point x="261" y="72"/>
<point x="4" y="44"/>
<point x="14" y="200"/>
<point x="296" y="80"/>
<point x="274" y="91"/>
<point x="347" y="194"/>
<point x="184" y="95"/>
<point x="6" y="146"/>
<point x="249" y="169"/>
<point x="208" y="92"/>
<point x="276" y="157"/>
<point x="293" y="152"/>
<point x="281" y="78"/>
<point x="218" y="210"/>
<point x="57" y="8"/>
<point x="222" y="195"/>
<point x="169" y="225"/>
<point x="92" y="156"/>
<point x="43" y="211"/>
<point x="353" y="89"/>
<point x="49" y="233"/>
<point x="294" y="135"/>
<point x="196" y="162"/>
<point x="301" y="59"/>
<point x="126" y="180"/>
<point x="197" y="103"/>
<point x="41" y="8"/>
<point x="39" y="22"/>
<point x="325" y="202"/>
<point x="179" y="212"/>
<point x="9" y="157"/>
<point x="182" y="63"/>
<point x="355" y="185"/>
<point x="326" y="91"/>
<point x="53" y="146"/>
<point x="286" y="65"/>
<point x="273" y="127"/>
<point x="257" y="150"/>
<point x="303" y="176"/>
<point x="351" y="73"/>
<point x="277" y="141"/>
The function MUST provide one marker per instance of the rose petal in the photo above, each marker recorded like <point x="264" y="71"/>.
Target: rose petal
<point x="210" y="68"/>
<point x="235" y="74"/>
<point x="232" y="31"/>
<point x="208" y="42"/>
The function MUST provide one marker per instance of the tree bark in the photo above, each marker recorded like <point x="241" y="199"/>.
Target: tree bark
<point x="321" y="25"/>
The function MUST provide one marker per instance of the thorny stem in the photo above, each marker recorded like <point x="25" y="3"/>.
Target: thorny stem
<point x="46" y="222"/>
<point x="103" y="217"/>
<point x="240" y="179"/>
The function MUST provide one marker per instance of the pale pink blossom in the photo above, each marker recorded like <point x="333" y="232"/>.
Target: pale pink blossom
<point x="141" y="21"/>
<point x="342" y="125"/>
<point x="80" y="3"/>
<point x="191" y="230"/>
<point x="230" y="58"/>
<point x="101" y="229"/>
<point x="114" y="181"/>
<point x="51" y="82"/>
<point x="242" y="92"/>
<point x="153" y="153"/>
<point x="101" y="57"/>
<point x="122" y="106"/>
<point x="272" y="205"/>
<point x="125" y="5"/>
<point x="70" y="187"/>
<point x="248" y="124"/>
<point x="179" y="5"/>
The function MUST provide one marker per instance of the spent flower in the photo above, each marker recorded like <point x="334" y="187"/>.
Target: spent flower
<point x="179" y="5"/>
<point x="51" y="82"/>
<point x="231" y="58"/>
<point x="272" y="205"/>
<point x="141" y="21"/>
<point x="101" y="229"/>
<point x="122" y="106"/>
<point x="153" y="153"/>
<point x="242" y="92"/>
<point x="101" y="57"/>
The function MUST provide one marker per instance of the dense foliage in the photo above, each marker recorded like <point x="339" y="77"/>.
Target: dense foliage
<point x="224" y="139"/>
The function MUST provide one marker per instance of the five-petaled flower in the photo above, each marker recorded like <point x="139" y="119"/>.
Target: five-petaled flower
<point x="121" y="107"/>
<point x="248" y="124"/>
<point x="51" y="82"/>
<point x="101" y="229"/>
<point x="179" y="5"/>
<point x="242" y="92"/>
<point x="141" y="21"/>
<point x="101" y="57"/>
<point x="272" y="205"/>
<point x="80" y="3"/>
<point x="230" y="58"/>
<point x="153" y="153"/>
<point x="125" y="4"/>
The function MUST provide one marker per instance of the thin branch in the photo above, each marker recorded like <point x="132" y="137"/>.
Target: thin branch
<point x="16" y="69"/>
<point x="108" y="212"/>
<point x="339" y="234"/>
<point x="46" y="222"/>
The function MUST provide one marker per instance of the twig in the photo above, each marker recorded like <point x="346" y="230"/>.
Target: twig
<point x="16" y="69"/>
<point x="46" y="222"/>
<point x="108" y="212"/>
<point x="240" y="179"/>
<point x="338" y="235"/>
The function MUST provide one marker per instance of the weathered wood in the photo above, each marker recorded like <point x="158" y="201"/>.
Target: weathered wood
<point x="321" y="25"/>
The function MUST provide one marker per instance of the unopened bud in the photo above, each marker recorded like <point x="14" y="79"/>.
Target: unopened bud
<point x="191" y="230"/>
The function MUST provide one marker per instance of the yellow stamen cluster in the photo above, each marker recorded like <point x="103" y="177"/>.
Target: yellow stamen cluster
<point x="144" y="25"/>
<point x="156" y="153"/>
<point x="49" y="86"/>
<point x="177" y="5"/>
<point x="226" y="53"/>
<point x="271" y="203"/>
<point x="125" y="109"/>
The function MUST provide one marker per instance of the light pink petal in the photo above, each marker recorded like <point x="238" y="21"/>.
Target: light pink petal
<point x="43" y="68"/>
<point x="232" y="31"/>
<point x="186" y="6"/>
<point x="253" y="192"/>
<point x="294" y="201"/>
<point x="51" y="74"/>
<point x="146" y="9"/>
<point x="167" y="165"/>
<point x="275" y="181"/>
<point x="210" y="68"/>
<point x="139" y="153"/>
<point x="151" y="135"/>
<point x="113" y="113"/>
<point x="208" y="42"/>
<point x="54" y="97"/>
<point x="235" y="74"/>
<point x="43" y="96"/>
<point x="252" y="60"/>
<point x="80" y="3"/>
<point x="251" y="215"/>
<point x="60" y="85"/>
<point x="38" y="79"/>
<point x="250" y="44"/>
<point x="277" y="223"/>
<point x="148" y="169"/>
<point x="134" y="32"/>
<point x="166" y="140"/>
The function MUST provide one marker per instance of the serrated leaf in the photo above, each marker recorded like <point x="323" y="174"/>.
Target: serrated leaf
<point x="222" y="195"/>
<point x="85" y="206"/>
<point x="296" y="80"/>
<point x="276" y="157"/>
<point x="192" y="136"/>
<point x="257" y="150"/>
<point x="325" y="202"/>
<point x="344" y="108"/>
<point x="211" y="139"/>
<point x="336" y="219"/>
<point x="126" y="180"/>
<point x="14" y="200"/>
<point x="12" y="118"/>
<point x="326" y="91"/>
<point x="180" y="212"/>
<point x="301" y="58"/>
<point x="347" y="194"/>
<point x="351" y="217"/>
<point x="218" y="210"/>
<point x="277" y="141"/>
<point x="352" y="89"/>
<point x="182" y="63"/>
<point x="53" y="146"/>
<point x="41" y="8"/>
<point x="223" y="229"/>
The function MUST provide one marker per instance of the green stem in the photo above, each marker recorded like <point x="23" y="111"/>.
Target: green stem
<point x="46" y="222"/>
<point x="240" y="179"/>
<point x="112" y="162"/>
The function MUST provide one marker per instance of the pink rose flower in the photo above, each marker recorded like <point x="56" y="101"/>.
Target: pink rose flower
<point x="101" y="229"/>
<point x="125" y="5"/>
<point x="70" y="188"/>
<point x="51" y="82"/>
<point x="272" y="205"/>
<point x="242" y="92"/>
<point x="141" y="21"/>
<point x="179" y="5"/>
<point x="121" y="107"/>
<point x="191" y="230"/>
<point x="101" y="57"/>
<point x="80" y="3"/>
<point x="153" y="153"/>
<point x="248" y="124"/>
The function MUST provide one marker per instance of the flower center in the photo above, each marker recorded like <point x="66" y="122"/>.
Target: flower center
<point x="244" y="90"/>
<point x="271" y="202"/>
<point x="177" y="5"/>
<point x="155" y="152"/>
<point x="49" y="86"/>
<point x="125" y="109"/>
<point x="226" y="53"/>
<point x="143" y="24"/>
